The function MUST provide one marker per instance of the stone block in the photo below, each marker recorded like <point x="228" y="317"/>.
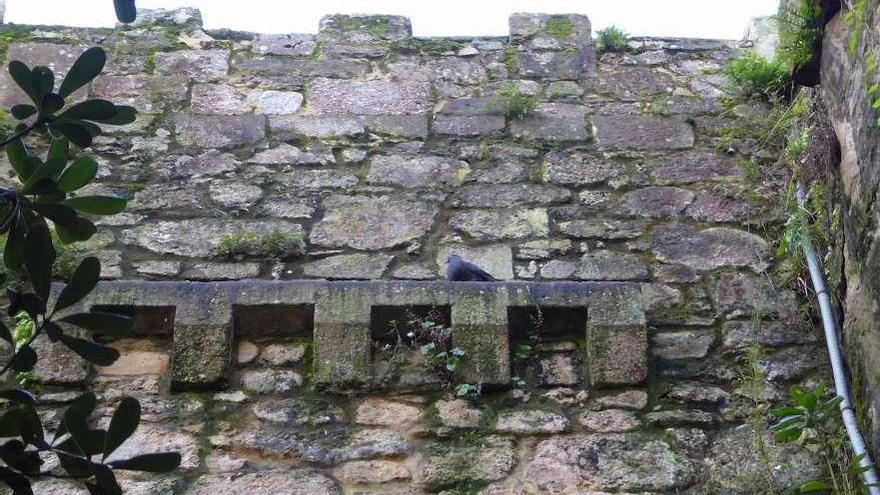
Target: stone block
<point x="59" y="58"/>
<point x="412" y="126"/>
<point x="710" y="248"/>
<point x="294" y="45"/>
<point x="553" y="122"/>
<point x="320" y="127"/>
<point x="384" y="27"/>
<point x="417" y="171"/>
<point x="579" y="168"/>
<point x="563" y="27"/>
<point x="200" y="65"/>
<point x="340" y="97"/>
<point x="617" y="339"/>
<point x="58" y="365"/>
<point x="479" y="327"/>
<point x="371" y="223"/>
<point x="571" y="64"/>
<point x="342" y="337"/>
<point x="643" y="132"/>
<point x="220" y="131"/>
<point x="468" y="125"/>
<point x="349" y="266"/>
<point x="201" y="351"/>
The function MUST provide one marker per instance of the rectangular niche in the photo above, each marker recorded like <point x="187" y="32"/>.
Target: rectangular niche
<point x="397" y="363"/>
<point x="282" y="321"/>
<point x="148" y="320"/>
<point x="546" y="345"/>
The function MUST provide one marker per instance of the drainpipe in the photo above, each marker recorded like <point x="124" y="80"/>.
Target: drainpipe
<point x="841" y="384"/>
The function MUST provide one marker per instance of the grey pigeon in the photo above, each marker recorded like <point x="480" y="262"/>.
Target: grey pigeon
<point x="460" y="270"/>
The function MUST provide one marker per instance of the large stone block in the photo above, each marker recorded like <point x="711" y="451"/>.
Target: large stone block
<point x="385" y="27"/>
<point x="468" y="125"/>
<point x="553" y="122"/>
<point x="563" y="27"/>
<point x="340" y="97"/>
<point x="579" y="168"/>
<point x="200" y="65"/>
<point x="479" y="327"/>
<point x="698" y="166"/>
<point x="288" y="481"/>
<point x="617" y="339"/>
<point x="199" y="238"/>
<point x="643" y="132"/>
<point x="320" y="127"/>
<point x="501" y="224"/>
<point x="570" y="64"/>
<point x="371" y="223"/>
<point x="147" y="93"/>
<point x="417" y="171"/>
<point x="349" y="266"/>
<point x="295" y="45"/>
<point x="506" y="195"/>
<point x="201" y="352"/>
<point x="220" y="131"/>
<point x="709" y="249"/>
<point x="342" y="337"/>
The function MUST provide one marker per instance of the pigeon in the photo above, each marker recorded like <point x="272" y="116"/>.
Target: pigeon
<point x="460" y="270"/>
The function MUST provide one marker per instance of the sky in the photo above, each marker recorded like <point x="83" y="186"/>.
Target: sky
<point x="724" y="19"/>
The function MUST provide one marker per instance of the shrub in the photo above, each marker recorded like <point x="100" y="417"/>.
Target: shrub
<point x="512" y="102"/>
<point x="800" y="29"/>
<point x="611" y="39"/>
<point x="753" y="74"/>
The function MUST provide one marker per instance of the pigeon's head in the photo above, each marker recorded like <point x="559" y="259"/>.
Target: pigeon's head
<point x="453" y="258"/>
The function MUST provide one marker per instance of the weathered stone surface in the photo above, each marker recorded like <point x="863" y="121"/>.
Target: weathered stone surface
<point x="219" y="131"/>
<point x="603" y="228"/>
<point x="386" y="27"/>
<point x="217" y="99"/>
<point x="371" y="223"/>
<point x="200" y="65"/>
<point x="366" y="472"/>
<point x="609" y="421"/>
<point x="57" y="57"/>
<point x="491" y="461"/>
<point x="349" y="266"/>
<point x="553" y="122"/>
<point x="631" y="399"/>
<point x="56" y="364"/>
<point x="457" y="413"/>
<point x="617" y="340"/>
<point x="417" y="171"/>
<point x="235" y="195"/>
<point x="569" y="64"/>
<point x="655" y="202"/>
<point x="607" y="462"/>
<point x="281" y="354"/>
<point x="578" y="168"/>
<point x="740" y="335"/>
<point x="698" y="394"/>
<point x="150" y="438"/>
<point x="532" y="422"/>
<point x="210" y="163"/>
<point x="289" y="481"/>
<point x="317" y="179"/>
<point x="468" y="125"/>
<point x="501" y="224"/>
<point x="376" y="411"/>
<point x="680" y="418"/>
<point x="565" y="27"/>
<point x="559" y="369"/>
<point x="412" y="126"/>
<point x="285" y="154"/>
<point x="611" y="265"/>
<point x="633" y="82"/>
<point x="688" y="344"/>
<point x="285" y="44"/>
<point x="199" y="238"/>
<point x="544" y="249"/>
<point x="338" y="97"/>
<point x="320" y="127"/>
<point x="496" y="259"/>
<point x="742" y="294"/>
<point x="146" y="93"/>
<point x="270" y="381"/>
<point x="710" y="248"/>
<point x="642" y="132"/>
<point x="734" y="463"/>
<point x="505" y="195"/>
<point x="717" y="208"/>
<point x="694" y="167"/>
<point x="272" y="102"/>
<point x="791" y="363"/>
<point x="210" y="271"/>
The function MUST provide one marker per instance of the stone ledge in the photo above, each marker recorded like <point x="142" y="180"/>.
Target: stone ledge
<point x="204" y="315"/>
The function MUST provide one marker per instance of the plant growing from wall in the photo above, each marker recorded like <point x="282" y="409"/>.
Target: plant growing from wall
<point x="813" y="421"/>
<point x="611" y="39"/>
<point x="48" y="193"/>
<point x="800" y="33"/>
<point x="513" y="102"/>
<point x="276" y="245"/>
<point x="754" y="75"/>
<point x="856" y="19"/>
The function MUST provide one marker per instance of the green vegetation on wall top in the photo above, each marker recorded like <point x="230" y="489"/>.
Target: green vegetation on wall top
<point x="611" y="39"/>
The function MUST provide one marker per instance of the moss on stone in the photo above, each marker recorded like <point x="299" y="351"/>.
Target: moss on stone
<point x="275" y="244"/>
<point x="432" y="46"/>
<point x="559" y="27"/>
<point x="511" y="60"/>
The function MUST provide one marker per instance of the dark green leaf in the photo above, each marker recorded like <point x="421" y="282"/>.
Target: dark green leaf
<point x="98" y="205"/>
<point x="78" y="174"/>
<point x="16" y="395"/>
<point x="42" y="81"/>
<point x="124" y="115"/>
<point x="18" y="483"/>
<point x="126" y="11"/>
<point x="39" y="257"/>
<point x="13" y="252"/>
<point x="86" y="403"/>
<point x="814" y="486"/>
<point x="33" y="304"/>
<point x="25" y="359"/>
<point x="14" y="454"/>
<point x="102" y="323"/>
<point x="86" y="68"/>
<point x="98" y="110"/>
<point x="84" y="279"/>
<point x="21" y="112"/>
<point x="79" y="230"/>
<point x="105" y="482"/>
<point x="49" y="170"/>
<point x="56" y="212"/>
<point x="75" y="423"/>
<point x="53" y="331"/>
<point x="52" y="102"/>
<point x="77" y="133"/>
<point x="31" y="427"/>
<point x="59" y="148"/>
<point x="92" y="352"/>
<point x="18" y="158"/>
<point x="21" y="74"/>
<point x="152" y="463"/>
<point x="75" y="466"/>
<point x="122" y="426"/>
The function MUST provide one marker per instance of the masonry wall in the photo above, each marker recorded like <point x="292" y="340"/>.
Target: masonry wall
<point x="364" y="153"/>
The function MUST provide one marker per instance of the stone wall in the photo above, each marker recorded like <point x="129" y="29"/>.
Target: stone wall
<point x="845" y="80"/>
<point x="364" y="153"/>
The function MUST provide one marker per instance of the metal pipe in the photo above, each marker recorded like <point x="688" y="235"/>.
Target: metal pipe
<point x="841" y="384"/>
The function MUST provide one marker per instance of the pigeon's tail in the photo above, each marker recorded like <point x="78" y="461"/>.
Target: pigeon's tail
<point x="481" y="275"/>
